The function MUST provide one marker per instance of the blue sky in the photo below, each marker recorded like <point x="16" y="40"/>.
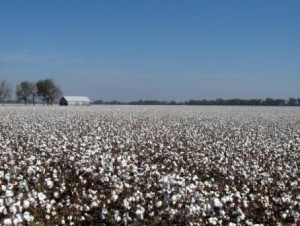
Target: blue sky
<point x="167" y="50"/>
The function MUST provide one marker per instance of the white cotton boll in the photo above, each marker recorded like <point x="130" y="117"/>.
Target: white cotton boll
<point x="13" y="209"/>
<point x="26" y="216"/>
<point x="1" y="174"/>
<point x="172" y="212"/>
<point x="9" y="193"/>
<point x="7" y="221"/>
<point x="231" y="224"/>
<point x="217" y="203"/>
<point x="15" y="221"/>
<point x="174" y="199"/>
<point x="49" y="183"/>
<point x="19" y="217"/>
<point x="285" y="199"/>
<point x="41" y="196"/>
<point x="284" y="215"/>
<point x="126" y="217"/>
<point x="104" y="211"/>
<point x="26" y="204"/>
<point x="249" y="223"/>
<point x="117" y="216"/>
<point x="2" y="209"/>
<point x="153" y="167"/>
<point x="3" y="187"/>
<point x="209" y="208"/>
<point x="114" y="196"/>
<point x="158" y="204"/>
<point x="226" y="199"/>
<point x="7" y="177"/>
<point x="94" y="204"/>
<point x="222" y="213"/>
<point x="56" y="194"/>
<point x="140" y="212"/>
<point x="20" y="196"/>
<point x="126" y="204"/>
<point x="241" y="214"/>
<point x="123" y="163"/>
<point x="194" y="208"/>
<point x="48" y="207"/>
<point x="213" y="220"/>
<point x="195" y="177"/>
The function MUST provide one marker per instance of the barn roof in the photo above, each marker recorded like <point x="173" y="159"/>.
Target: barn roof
<point x="77" y="98"/>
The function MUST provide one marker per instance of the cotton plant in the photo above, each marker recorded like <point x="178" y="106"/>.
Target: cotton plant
<point x="149" y="165"/>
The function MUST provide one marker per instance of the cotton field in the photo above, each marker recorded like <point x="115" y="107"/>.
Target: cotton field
<point x="133" y="165"/>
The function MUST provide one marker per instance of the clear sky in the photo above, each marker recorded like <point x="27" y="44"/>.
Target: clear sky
<point x="158" y="49"/>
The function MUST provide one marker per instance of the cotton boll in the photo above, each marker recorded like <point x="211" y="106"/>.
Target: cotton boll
<point x="217" y="203"/>
<point x="126" y="204"/>
<point x="114" y="196"/>
<point x="213" y="220"/>
<point x="56" y="194"/>
<point x="284" y="215"/>
<point x="117" y="216"/>
<point x="94" y="204"/>
<point x="245" y="204"/>
<point x="9" y="193"/>
<point x="140" y="212"/>
<point x="7" y="176"/>
<point x="7" y="221"/>
<point x="26" y="204"/>
<point x="104" y="211"/>
<point x="158" y="204"/>
<point x="27" y="217"/>
<point x="16" y="221"/>
<point x="49" y="183"/>
<point x="3" y="209"/>
<point x="13" y="209"/>
<point x="3" y="187"/>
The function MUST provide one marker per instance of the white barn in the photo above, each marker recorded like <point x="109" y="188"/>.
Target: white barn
<point x="74" y="101"/>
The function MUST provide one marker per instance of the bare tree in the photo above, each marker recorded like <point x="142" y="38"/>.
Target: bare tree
<point x="23" y="91"/>
<point x="48" y="91"/>
<point x="5" y="91"/>
<point x="33" y="92"/>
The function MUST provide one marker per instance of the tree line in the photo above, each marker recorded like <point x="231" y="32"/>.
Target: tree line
<point x="48" y="92"/>
<point x="246" y="102"/>
<point x="44" y="90"/>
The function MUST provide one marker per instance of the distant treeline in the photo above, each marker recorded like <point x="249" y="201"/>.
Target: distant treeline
<point x="43" y="91"/>
<point x="244" y="102"/>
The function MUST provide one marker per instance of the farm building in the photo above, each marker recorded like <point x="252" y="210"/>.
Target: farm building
<point x="75" y="101"/>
